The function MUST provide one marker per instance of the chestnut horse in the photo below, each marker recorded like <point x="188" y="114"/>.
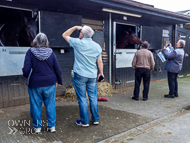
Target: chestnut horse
<point x="129" y="37"/>
<point x="19" y="32"/>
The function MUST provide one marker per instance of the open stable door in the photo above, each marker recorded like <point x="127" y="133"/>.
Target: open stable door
<point x="124" y="73"/>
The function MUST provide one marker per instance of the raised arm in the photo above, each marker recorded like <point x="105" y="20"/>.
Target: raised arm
<point x="66" y="35"/>
<point x="168" y="55"/>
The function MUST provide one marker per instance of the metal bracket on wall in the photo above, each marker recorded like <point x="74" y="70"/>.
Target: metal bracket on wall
<point x="118" y="82"/>
<point x="117" y="52"/>
<point x="182" y="36"/>
<point x="130" y="81"/>
<point x="138" y="29"/>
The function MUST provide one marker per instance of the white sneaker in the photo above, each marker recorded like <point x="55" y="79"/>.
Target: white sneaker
<point x="52" y="129"/>
<point x="95" y="123"/>
<point x="37" y="130"/>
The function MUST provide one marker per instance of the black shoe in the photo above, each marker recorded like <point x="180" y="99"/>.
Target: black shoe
<point x="176" y="95"/>
<point x="79" y="123"/>
<point x="135" y="98"/>
<point x="144" y="99"/>
<point x="169" y="96"/>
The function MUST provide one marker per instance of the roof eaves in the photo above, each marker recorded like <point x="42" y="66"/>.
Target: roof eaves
<point x="143" y="6"/>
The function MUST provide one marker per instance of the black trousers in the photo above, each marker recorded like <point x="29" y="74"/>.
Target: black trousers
<point x="172" y="83"/>
<point x="139" y="74"/>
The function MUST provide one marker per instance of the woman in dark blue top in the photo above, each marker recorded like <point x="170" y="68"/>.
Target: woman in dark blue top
<point x="43" y="71"/>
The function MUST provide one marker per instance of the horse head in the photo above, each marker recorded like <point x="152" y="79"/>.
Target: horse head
<point x="28" y="31"/>
<point x="20" y="31"/>
<point x="129" y="37"/>
<point x="133" y="38"/>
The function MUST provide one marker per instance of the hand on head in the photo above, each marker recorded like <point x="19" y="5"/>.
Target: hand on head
<point x="79" y="27"/>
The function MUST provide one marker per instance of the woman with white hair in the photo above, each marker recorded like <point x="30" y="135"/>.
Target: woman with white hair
<point x="42" y="70"/>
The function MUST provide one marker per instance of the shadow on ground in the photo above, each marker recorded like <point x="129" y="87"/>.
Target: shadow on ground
<point x="112" y="122"/>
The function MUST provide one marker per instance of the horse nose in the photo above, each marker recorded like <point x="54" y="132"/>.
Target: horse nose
<point x="32" y="35"/>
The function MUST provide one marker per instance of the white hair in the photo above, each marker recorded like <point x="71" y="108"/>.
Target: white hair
<point x="182" y="43"/>
<point x="87" y="31"/>
<point x="40" y="40"/>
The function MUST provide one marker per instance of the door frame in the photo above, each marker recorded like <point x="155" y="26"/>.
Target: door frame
<point x="114" y="33"/>
<point x="138" y="30"/>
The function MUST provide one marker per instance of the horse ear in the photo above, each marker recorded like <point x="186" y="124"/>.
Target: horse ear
<point x="24" y="18"/>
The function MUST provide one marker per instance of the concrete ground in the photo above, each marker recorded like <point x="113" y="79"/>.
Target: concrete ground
<point x="176" y="130"/>
<point x="121" y="119"/>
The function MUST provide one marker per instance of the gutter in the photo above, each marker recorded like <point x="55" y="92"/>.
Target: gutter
<point x="152" y="9"/>
<point x="142" y="9"/>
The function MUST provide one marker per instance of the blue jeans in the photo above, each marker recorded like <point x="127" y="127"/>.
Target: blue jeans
<point x="145" y="74"/>
<point x="81" y="85"/>
<point x="37" y="96"/>
<point x="172" y="83"/>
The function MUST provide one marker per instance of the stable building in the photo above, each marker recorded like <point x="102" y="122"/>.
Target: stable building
<point x="109" y="19"/>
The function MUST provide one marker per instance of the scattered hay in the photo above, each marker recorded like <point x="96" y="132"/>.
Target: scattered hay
<point x="104" y="89"/>
<point x="168" y="133"/>
<point x="69" y="95"/>
<point x="1" y="112"/>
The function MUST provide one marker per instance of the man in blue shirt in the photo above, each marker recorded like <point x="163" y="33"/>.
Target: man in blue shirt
<point x="87" y="53"/>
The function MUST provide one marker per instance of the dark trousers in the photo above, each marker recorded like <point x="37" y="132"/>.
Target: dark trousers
<point x="172" y="83"/>
<point x="145" y="74"/>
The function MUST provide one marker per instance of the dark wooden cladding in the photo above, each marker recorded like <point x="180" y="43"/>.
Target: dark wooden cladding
<point x="91" y="21"/>
<point x="54" y="24"/>
<point x="153" y="35"/>
<point x="66" y="61"/>
<point x="184" y="35"/>
<point x="13" y="91"/>
<point x="105" y="50"/>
